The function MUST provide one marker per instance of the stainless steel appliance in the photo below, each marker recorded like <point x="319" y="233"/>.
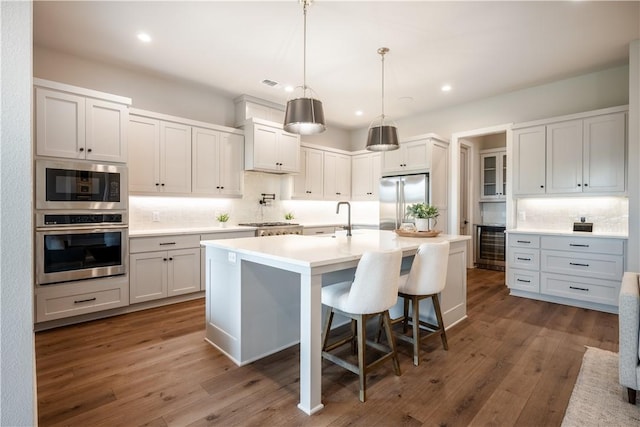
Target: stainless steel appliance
<point x="490" y="247"/>
<point x="62" y="184"/>
<point x="80" y="245"/>
<point x="274" y="228"/>
<point x="396" y="193"/>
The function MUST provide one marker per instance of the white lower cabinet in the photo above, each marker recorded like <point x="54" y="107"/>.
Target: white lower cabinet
<point x="165" y="273"/>
<point x="574" y="270"/>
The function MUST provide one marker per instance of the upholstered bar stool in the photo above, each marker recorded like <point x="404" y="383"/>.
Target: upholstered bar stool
<point x="373" y="291"/>
<point x="426" y="279"/>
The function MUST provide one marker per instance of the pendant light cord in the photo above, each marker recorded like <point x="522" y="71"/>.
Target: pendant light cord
<point x="382" y="52"/>
<point x="305" y="4"/>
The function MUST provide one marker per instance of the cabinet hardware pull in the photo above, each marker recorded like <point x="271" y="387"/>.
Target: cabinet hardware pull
<point x="578" y="245"/>
<point x="89" y="150"/>
<point x="157" y="184"/>
<point x="542" y="186"/>
<point x="164" y="259"/>
<point x="167" y="243"/>
<point x="579" y="264"/>
<point x="81" y="149"/>
<point x="162" y="184"/>
<point x="170" y="258"/>
<point x="524" y="241"/>
<point x="524" y="259"/>
<point x="586" y="185"/>
<point x="84" y="300"/>
<point x="579" y="185"/>
<point x="522" y="280"/>
<point x="578" y="288"/>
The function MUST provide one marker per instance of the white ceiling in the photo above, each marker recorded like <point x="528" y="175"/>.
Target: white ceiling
<point x="480" y="48"/>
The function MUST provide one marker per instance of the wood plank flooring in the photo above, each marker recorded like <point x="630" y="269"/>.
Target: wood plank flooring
<point x="513" y="362"/>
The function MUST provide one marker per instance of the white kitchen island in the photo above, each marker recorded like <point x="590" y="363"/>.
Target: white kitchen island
<point x="263" y="294"/>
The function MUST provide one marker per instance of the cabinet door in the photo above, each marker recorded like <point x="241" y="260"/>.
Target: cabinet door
<point x="265" y="143"/>
<point x="343" y="176"/>
<point x="376" y="173"/>
<point x="183" y="271"/>
<point x="308" y="184"/>
<point x="416" y="155"/>
<point x="148" y="276"/>
<point x="289" y="152"/>
<point x="529" y="148"/>
<point x="175" y="158"/>
<point x="337" y="176"/>
<point x="362" y="173"/>
<point x="205" y="174"/>
<point x="300" y="190"/>
<point x="231" y="164"/>
<point x="144" y="154"/>
<point x="393" y="161"/>
<point x="60" y="124"/>
<point x="439" y="180"/>
<point x="604" y="147"/>
<point x="489" y="177"/>
<point x="105" y="131"/>
<point x="564" y="157"/>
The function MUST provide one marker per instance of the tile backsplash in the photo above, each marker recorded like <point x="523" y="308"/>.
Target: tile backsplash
<point x="176" y="212"/>
<point x="608" y="214"/>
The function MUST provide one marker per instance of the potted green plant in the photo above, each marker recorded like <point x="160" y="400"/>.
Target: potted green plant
<point x="222" y="219"/>
<point x="289" y="216"/>
<point x="424" y="214"/>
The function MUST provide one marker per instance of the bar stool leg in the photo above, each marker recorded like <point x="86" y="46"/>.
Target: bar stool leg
<point x="327" y="326"/>
<point x="415" y="302"/>
<point x="405" y="319"/>
<point x="443" y="334"/>
<point x="361" y="326"/>
<point x="392" y="341"/>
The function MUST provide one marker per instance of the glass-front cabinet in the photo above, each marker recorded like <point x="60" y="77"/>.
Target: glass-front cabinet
<point x="493" y="169"/>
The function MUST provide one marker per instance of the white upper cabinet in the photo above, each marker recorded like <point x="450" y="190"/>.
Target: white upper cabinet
<point x="493" y="171"/>
<point x="159" y="156"/>
<point x="564" y="157"/>
<point x="76" y="126"/>
<point x="217" y="162"/>
<point x="268" y="148"/>
<point x="308" y="184"/>
<point x="586" y="154"/>
<point x="365" y="172"/>
<point x="337" y="176"/>
<point x="604" y="153"/>
<point x="412" y="156"/>
<point x="529" y="151"/>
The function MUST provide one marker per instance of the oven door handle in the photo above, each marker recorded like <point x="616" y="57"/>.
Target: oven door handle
<point x="91" y="228"/>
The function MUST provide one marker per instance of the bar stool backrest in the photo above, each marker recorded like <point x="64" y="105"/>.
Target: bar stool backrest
<point x="375" y="286"/>
<point x="428" y="274"/>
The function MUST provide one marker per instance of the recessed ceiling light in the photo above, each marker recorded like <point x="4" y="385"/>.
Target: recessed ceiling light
<point x="288" y="88"/>
<point x="405" y="99"/>
<point x="359" y="113"/>
<point x="144" y="37"/>
<point x="445" y="88"/>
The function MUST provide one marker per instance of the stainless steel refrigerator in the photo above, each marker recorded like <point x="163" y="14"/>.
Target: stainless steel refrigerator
<point x="398" y="192"/>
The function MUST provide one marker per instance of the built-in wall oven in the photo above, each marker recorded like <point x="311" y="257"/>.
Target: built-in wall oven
<point x="74" y="185"/>
<point x="74" y="246"/>
<point x="490" y="247"/>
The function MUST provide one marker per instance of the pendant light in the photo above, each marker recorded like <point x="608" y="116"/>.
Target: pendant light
<point x="383" y="133"/>
<point x="304" y="114"/>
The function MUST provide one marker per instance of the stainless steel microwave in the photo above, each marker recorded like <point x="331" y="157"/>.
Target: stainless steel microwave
<point x="74" y="185"/>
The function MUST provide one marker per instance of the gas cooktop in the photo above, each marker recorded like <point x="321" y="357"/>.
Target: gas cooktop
<point x="268" y="224"/>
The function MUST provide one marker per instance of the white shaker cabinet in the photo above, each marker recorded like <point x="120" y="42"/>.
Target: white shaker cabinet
<point x="529" y="151"/>
<point x="365" y="176"/>
<point x="164" y="266"/>
<point x="337" y="176"/>
<point x="268" y="148"/>
<point x="70" y="125"/>
<point x="217" y="162"/>
<point x="308" y="184"/>
<point x="582" y="153"/>
<point x="412" y="156"/>
<point x="159" y="156"/>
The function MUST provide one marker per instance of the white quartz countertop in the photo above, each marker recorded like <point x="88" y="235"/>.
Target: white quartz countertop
<point x="187" y="230"/>
<point x="312" y="251"/>
<point x="571" y="233"/>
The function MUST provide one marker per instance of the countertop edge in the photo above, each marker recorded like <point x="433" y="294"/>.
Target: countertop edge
<point x="571" y="233"/>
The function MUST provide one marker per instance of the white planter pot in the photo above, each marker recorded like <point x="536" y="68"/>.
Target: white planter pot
<point x="422" y="224"/>
<point x="222" y="224"/>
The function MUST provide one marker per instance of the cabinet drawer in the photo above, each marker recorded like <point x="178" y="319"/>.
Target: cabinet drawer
<point x="163" y="243"/>
<point x="228" y="235"/>
<point x="583" y="244"/>
<point x="313" y="231"/>
<point x="608" y="267"/>
<point x="57" y="305"/>
<point x="529" y="259"/>
<point x="523" y="240"/>
<point x="524" y="280"/>
<point x="580" y="288"/>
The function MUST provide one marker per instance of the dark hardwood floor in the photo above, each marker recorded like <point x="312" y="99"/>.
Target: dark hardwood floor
<point x="514" y="361"/>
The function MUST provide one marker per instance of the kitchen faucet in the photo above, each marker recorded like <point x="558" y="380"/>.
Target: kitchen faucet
<point x="348" y="217"/>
